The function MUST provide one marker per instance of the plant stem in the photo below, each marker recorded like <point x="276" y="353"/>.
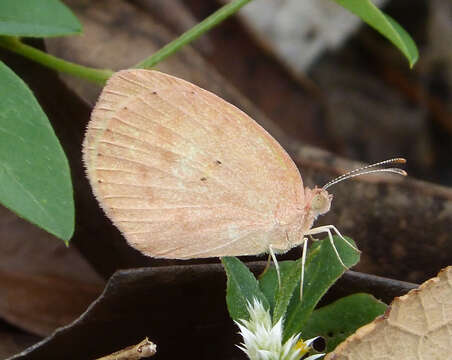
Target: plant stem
<point x="98" y="76"/>
<point x="192" y="34"/>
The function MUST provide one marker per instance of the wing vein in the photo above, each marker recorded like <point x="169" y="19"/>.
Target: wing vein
<point x="218" y="181"/>
<point x="245" y="184"/>
<point x="160" y="147"/>
<point x="144" y="165"/>
<point x="169" y="151"/>
<point x="196" y="254"/>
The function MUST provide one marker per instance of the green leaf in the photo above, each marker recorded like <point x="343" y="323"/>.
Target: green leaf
<point x="337" y="321"/>
<point x="242" y="287"/>
<point x="37" y="18"/>
<point x="268" y="284"/>
<point x="279" y="297"/>
<point x="385" y="25"/>
<point x="321" y="272"/>
<point x="410" y="49"/>
<point x="35" y="179"/>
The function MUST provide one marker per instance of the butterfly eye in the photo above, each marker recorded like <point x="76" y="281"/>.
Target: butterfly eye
<point x="320" y="203"/>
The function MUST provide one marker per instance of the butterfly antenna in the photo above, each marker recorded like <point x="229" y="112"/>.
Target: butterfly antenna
<point x="364" y="170"/>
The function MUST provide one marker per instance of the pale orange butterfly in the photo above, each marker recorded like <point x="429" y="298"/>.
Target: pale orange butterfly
<point x="184" y="174"/>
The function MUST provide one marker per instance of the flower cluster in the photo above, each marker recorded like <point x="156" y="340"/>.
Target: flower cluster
<point x="262" y="341"/>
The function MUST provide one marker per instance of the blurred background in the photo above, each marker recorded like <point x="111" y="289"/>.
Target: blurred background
<point x="333" y="91"/>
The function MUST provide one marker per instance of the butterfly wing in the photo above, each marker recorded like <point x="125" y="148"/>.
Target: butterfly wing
<point x="183" y="173"/>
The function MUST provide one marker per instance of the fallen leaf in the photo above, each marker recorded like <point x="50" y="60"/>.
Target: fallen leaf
<point x="43" y="283"/>
<point x="415" y="327"/>
<point x="13" y="340"/>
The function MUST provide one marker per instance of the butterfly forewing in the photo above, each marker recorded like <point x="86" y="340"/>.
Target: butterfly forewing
<point x="182" y="173"/>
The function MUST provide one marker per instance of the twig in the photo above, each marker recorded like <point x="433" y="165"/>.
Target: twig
<point x="192" y="34"/>
<point x="143" y="349"/>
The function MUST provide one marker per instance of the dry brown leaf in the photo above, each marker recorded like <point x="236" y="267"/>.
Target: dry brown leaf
<point x="43" y="283"/>
<point x="13" y="340"/>
<point x="417" y="326"/>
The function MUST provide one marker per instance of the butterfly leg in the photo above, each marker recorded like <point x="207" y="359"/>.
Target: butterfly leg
<point x="326" y="229"/>
<point x="332" y="227"/>
<point x="272" y="254"/>
<point x="313" y="238"/>
<point x="267" y="266"/>
<point x="303" y="262"/>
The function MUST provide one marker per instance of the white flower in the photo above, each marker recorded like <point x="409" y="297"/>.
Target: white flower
<point x="262" y="341"/>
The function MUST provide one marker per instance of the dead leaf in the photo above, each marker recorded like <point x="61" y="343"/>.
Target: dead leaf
<point x="43" y="283"/>
<point x="415" y="327"/>
<point x="13" y="340"/>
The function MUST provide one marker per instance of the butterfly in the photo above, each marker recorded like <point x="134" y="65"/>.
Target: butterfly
<point x="184" y="174"/>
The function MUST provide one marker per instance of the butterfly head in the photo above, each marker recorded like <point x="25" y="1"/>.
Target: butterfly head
<point x="318" y="202"/>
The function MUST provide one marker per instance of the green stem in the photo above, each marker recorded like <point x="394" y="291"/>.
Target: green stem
<point x="98" y="76"/>
<point x="192" y="34"/>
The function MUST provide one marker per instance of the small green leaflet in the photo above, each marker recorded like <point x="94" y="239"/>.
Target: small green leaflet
<point x="35" y="178"/>
<point x="37" y="18"/>
<point x="385" y="25"/>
